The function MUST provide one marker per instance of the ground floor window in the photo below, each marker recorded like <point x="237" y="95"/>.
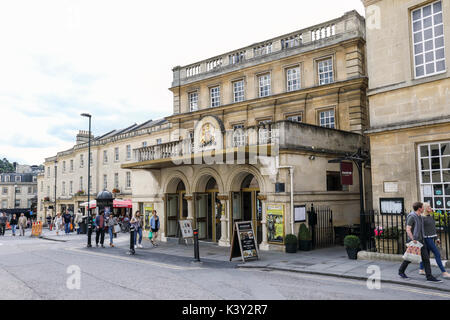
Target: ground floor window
<point x="434" y="174"/>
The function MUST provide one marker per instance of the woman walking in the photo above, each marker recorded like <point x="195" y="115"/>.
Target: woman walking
<point x="13" y="223"/>
<point x="111" y="221"/>
<point x="154" y="224"/>
<point x="431" y="239"/>
<point x="136" y="221"/>
<point x="58" y="223"/>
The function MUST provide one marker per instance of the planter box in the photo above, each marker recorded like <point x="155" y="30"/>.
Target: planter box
<point x="305" y="245"/>
<point x="352" y="253"/>
<point x="387" y="246"/>
<point x="291" y="247"/>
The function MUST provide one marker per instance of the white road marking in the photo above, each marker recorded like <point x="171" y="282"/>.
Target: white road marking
<point x="156" y="264"/>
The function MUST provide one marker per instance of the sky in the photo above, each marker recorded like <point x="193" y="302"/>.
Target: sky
<point x="114" y="59"/>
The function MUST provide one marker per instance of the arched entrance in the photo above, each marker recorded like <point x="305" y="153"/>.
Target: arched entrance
<point x="208" y="211"/>
<point x="176" y="209"/>
<point x="246" y="206"/>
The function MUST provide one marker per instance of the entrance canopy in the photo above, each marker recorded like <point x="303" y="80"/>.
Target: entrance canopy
<point x="116" y="204"/>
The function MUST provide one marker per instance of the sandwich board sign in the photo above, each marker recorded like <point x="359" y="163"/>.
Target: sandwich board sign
<point x="244" y="242"/>
<point x="184" y="231"/>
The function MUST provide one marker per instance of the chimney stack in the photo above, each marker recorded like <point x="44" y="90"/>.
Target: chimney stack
<point x="83" y="136"/>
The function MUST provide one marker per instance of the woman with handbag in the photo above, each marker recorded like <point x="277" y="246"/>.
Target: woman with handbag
<point x="431" y="239"/>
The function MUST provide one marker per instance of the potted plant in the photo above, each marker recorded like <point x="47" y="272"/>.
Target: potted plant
<point x="352" y="244"/>
<point x="115" y="190"/>
<point x="304" y="238"/>
<point x="290" y="243"/>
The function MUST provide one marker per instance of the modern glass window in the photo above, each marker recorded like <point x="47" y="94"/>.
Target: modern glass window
<point x="264" y="85"/>
<point x="327" y="119"/>
<point x="295" y="118"/>
<point x="128" y="152"/>
<point x="116" y="154"/>
<point x="293" y="79"/>
<point x="434" y="172"/>
<point x="214" y="94"/>
<point x="128" y="180"/>
<point x="325" y="71"/>
<point x="238" y="91"/>
<point x="428" y="39"/>
<point x="193" y="101"/>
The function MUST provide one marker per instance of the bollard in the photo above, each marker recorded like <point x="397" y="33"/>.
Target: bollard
<point x="196" y="248"/>
<point x="132" y="230"/>
<point x="89" y="233"/>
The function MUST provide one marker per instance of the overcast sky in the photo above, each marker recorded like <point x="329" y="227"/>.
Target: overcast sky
<point x="113" y="59"/>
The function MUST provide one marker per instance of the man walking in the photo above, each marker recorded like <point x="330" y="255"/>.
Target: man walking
<point x="22" y="224"/>
<point x="415" y="232"/>
<point x="100" y="232"/>
<point x="3" y="220"/>
<point x="67" y="219"/>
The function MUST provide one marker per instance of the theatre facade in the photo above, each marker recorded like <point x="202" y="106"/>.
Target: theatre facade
<point x="252" y="133"/>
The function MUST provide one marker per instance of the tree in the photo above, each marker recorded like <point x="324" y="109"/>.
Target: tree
<point x="6" y="166"/>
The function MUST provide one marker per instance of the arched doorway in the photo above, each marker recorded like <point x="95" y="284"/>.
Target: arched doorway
<point x="176" y="209"/>
<point x="246" y="205"/>
<point x="208" y="212"/>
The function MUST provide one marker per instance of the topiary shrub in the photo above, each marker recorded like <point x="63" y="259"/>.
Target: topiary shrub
<point x="352" y="242"/>
<point x="290" y="239"/>
<point x="304" y="233"/>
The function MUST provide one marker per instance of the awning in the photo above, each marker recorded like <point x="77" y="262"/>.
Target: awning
<point x="116" y="204"/>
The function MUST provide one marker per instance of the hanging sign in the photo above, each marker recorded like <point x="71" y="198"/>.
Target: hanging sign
<point x="346" y="173"/>
<point x="244" y="242"/>
<point x="275" y="223"/>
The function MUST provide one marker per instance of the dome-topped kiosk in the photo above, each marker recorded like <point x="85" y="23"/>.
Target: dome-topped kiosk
<point x="105" y="202"/>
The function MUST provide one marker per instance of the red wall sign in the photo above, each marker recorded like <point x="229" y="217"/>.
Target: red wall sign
<point x="347" y="173"/>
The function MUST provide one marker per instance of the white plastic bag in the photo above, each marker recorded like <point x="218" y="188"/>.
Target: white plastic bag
<point x="412" y="253"/>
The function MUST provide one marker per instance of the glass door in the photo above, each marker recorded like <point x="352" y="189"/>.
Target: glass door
<point x="201" y="209"/>
<point x="172" y="214"/>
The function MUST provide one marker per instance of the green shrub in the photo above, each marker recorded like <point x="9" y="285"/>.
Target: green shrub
<point x="290" y="239"/>
<point x="391" y="233"/>
<point x="304" y="233"/>
<point x="352" y="241"/>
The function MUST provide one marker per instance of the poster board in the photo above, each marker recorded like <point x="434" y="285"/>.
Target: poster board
<point x="148" y="212"/>
<point x="244" y="242"/>
<point x="392" y="205"/>
<point x="275" y="223"/>
<point x="300" y="213"/>
<point x="186" y="229"/>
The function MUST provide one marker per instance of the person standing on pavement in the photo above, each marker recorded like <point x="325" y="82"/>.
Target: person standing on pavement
<point x="58" y="222"/>
<point x="22" y="224"/>
<point x="431" y="239"/>
<point x="415" y="232"/>
<point x="137" y="221"/>
<point x="154" y="225"/>
<point x="49" y="222"/>
<point x="111" y="221"/>
<point x="67" y="220"/>
<point x="78" y="219"/>
<point x="100" y="228"/>
<point x="3" y="220"/>
<point x="13" y="224"/>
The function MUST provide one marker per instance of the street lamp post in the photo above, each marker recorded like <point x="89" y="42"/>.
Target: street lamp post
<point x="56" y="174"/>
<point x="89" y="231"/>
<point x="15" y="195"/>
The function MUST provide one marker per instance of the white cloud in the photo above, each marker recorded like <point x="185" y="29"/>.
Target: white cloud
<point x="114" y="59"/>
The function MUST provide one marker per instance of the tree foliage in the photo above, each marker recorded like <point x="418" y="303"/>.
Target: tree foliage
<point x="6" y="166"/>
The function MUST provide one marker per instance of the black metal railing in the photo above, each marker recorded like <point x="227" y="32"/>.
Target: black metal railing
<point x="320" y="220"/>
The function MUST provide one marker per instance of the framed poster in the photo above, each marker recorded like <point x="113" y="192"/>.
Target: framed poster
<point x="300" y="213"/>
<point x="148" y="212"/>
<point x="392" y="206"/>
<point x="244" y="241"/>
<point x="275" y="223"/>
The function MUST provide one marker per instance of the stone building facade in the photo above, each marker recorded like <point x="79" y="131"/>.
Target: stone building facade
<point x="408" y="45"/>
<point x="18" y="190"/>
<point x="252" y="133"/>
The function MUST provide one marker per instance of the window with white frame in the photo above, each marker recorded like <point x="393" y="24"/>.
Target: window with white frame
<point x="91" y="159"/>
<point x="434" y="172"/>
<point x="105" y="156"/>
<point x="428" y="40"/>
<point x="128" y="152"/>
<point x="48" y="191"/>
<point x="116" y="154"/>
<point x="48" y="172"/>
<point x="295" y="118"/>
<point x="81" y="183"/>
<point x="238" y="91"/>
<point x="4" y="204"/>
<point x="105" y="182"/>
<point x="238" y="135"/>
<point x="71" y="165"/>
<point x="71" y="188"/>
<point x="264" y="85"/>
<point x="63" y="189"/>
<point x="116" y="180"/>
<point x="5" y="190"/>
<point x="64" y="166"/>
<point x="214" y="94"/>
<point x="18" y="178"/>
<point x="128" y="180"/>
<point x="327" y="119"/>
<point x="193" y="101"/>
<point x="8" y="178"/>
<point x="18" y="190"/>
<point x="293" y="79"/>
<point x="30" y="190"/>
<point x="81" y="161"/>
<point x="325" y="71"/>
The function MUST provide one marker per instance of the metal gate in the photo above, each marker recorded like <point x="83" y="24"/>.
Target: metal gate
<point x="320" y="220"/>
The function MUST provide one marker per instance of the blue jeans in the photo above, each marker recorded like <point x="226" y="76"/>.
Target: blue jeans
<point x="437" y="255"/>
<point x="138" y="230"/>
<point x="13" y="228"/>
<point x="67" y="228"/>
<point x="111" y="235"/>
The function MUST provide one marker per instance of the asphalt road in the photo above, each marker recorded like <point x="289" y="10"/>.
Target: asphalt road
<point x="42" y="269"/>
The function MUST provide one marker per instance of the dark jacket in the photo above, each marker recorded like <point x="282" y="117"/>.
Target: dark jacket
<point x="67" y="218"/>
<point x="97" y="221"/>
<point x="13" y="221"/>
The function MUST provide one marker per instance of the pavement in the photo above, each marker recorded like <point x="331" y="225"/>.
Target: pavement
<point x="331" y="262"/>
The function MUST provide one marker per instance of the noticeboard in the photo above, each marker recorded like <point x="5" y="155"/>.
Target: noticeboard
<point x="244" y="242"/>
<point x="275" y="223"/>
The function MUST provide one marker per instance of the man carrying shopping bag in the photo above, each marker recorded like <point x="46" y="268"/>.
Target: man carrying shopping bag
<point x="414" y="230"/>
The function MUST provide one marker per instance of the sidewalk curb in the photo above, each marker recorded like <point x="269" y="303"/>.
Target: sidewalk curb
<point x="403" y="283"/>
<point x="376" y="256"/>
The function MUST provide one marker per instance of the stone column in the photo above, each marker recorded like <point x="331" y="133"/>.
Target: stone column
<point x="190" y="200"/>
<point x="224" y="219"/>
<point x="264" y="243"/>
